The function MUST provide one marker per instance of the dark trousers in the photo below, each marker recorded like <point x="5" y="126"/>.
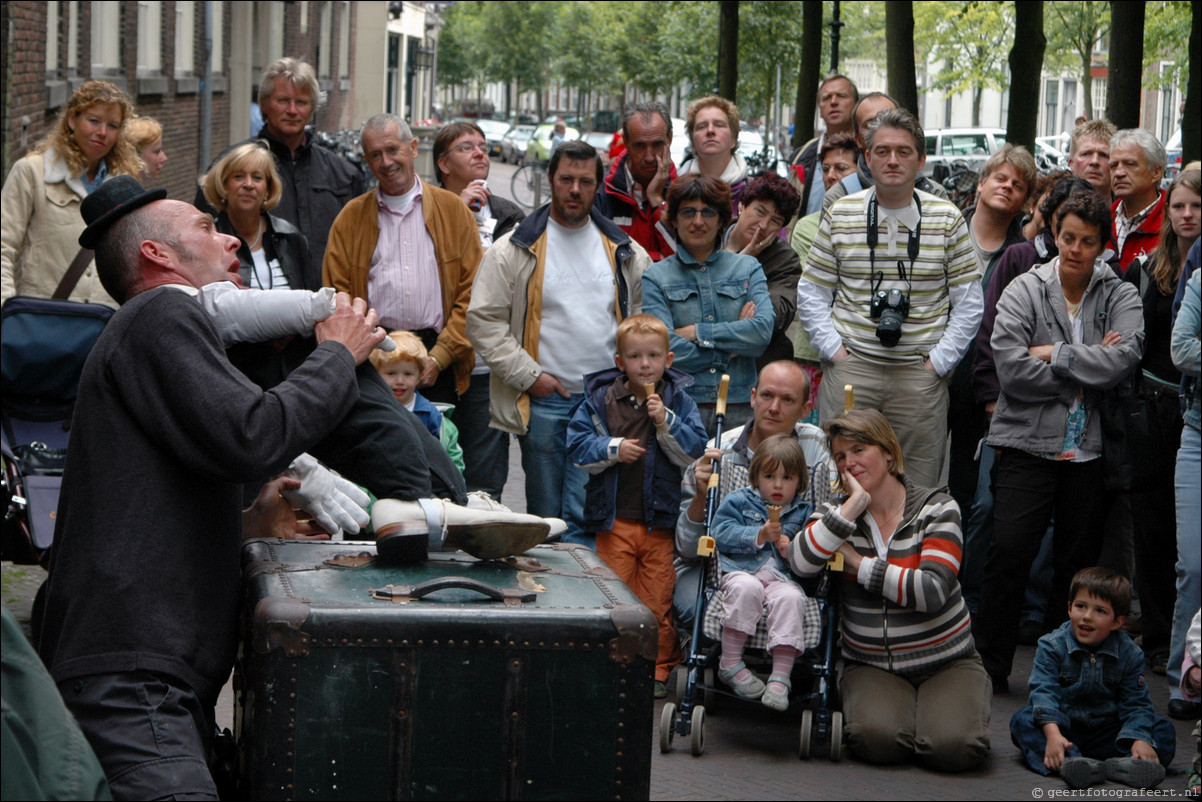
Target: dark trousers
<point x="1030" y="491"/>
<point x="378" y="444"/>
<point x="151" y="733"/>
<point x="1154" y="525"/>
<point x="1095" y="742"/>
<point x="485" y="449"/>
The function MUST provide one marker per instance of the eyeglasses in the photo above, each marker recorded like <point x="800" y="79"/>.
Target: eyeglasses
<point x="468" y="147"/>
<point x="689" y="212"/>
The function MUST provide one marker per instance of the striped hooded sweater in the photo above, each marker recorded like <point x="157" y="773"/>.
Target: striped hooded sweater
<point x="908" y="616"/>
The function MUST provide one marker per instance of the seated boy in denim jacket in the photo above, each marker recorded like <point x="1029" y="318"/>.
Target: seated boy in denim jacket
<point x="1089" y="716"/>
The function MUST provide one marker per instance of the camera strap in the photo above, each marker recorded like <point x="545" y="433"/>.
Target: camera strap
<point x="912" y="241"/>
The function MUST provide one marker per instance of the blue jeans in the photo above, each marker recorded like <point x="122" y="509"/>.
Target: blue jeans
<point x="1189" y="542"/>
<point x="1097" y="742"/>
<point x="485" y="449"/>
<point x="554" y="486"/>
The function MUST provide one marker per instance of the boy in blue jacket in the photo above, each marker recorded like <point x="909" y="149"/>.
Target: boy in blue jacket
<point x="1089" y="717"/>
<point x="634" y="432"/>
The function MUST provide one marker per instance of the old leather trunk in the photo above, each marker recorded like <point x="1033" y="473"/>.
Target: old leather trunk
<point x="452" y="679"/>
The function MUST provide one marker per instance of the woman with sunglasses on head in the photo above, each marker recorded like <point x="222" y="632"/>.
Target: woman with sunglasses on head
<point x="715" y="303"/>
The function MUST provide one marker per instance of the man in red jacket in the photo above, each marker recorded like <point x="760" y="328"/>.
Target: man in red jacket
<point x="637" y="183"/>
<point x="1137" y="161"/>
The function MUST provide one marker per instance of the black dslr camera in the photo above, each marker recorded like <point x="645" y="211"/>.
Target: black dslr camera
<point x="891" y="308"/>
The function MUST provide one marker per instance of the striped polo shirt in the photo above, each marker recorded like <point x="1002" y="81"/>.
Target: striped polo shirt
<point x="840" y="261"/>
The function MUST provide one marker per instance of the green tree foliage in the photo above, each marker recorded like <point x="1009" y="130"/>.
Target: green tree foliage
<point x="769" y="35"/>
<point x="1072" y="28"/>
<point x="1166" y="34"/>
<point x="461" y="61"/>
<point x="970" y="40"/>
<point x="862" y="35"/>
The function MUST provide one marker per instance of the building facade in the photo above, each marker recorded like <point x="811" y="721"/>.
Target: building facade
<point x="159" y="53"/>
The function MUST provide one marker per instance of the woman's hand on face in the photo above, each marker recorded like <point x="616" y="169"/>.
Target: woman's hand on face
<point x="858" y="498"/>
<point x="748" y="311"/>
<point x="1043" y="352"/>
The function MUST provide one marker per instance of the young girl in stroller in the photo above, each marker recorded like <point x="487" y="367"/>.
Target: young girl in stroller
<point x="753" y="529"/>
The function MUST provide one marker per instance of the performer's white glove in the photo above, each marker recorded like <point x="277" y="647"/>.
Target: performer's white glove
<point x="333" y="502"/>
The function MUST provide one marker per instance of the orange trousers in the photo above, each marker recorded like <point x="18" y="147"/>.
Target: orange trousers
<point x="643" y="560"/>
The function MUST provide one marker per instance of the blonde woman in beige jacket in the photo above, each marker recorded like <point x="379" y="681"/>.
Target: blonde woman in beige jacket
<point x="41" y="223"/>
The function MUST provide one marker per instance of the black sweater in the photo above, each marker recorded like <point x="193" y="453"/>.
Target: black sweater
<point x="145" y="566"/>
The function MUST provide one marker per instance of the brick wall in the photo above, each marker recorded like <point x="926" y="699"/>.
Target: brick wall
<point x="25" y="115"/>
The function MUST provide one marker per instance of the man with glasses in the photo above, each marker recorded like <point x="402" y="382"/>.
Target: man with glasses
<point x="316" y="182"/>
<point x="411" y="250"/>
<point x="544" y="313"/>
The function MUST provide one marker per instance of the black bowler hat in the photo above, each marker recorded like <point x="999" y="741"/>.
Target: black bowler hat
<point x="111" y="201"/>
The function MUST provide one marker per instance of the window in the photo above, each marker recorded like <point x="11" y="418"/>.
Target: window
<point x="323" y="48"/>
<point x="344" y="41"/>
<point x="1099" y="98"/>
<point x="150" y="39"/>
<point x="304" y="16"/>
<point x="52" y="38"/>
<point x="185" y="37"/>
<point x="106" y="35"/>
<point x="73" y="37"/>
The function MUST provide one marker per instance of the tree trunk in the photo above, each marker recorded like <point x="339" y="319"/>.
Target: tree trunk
<point x="899" y="54"/>
<point x="1191" y="123"/>
<point x="808" y="73"/>
<point x="728" y="50"/>
<point x="1026" y="64"/>
<point x="1123" y="87"/>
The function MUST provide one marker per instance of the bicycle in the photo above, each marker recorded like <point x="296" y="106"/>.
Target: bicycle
<point x="530" y="185"/>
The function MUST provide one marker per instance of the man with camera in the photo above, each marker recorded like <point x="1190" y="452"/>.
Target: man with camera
<point x="891" y="296"/>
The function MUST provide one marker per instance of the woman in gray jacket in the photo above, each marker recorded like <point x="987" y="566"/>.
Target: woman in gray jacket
<point x="1064" y="332"/>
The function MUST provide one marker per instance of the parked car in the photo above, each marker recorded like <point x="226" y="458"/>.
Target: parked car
<point x="539" y="147"/>
<point x="680" y="141"/>
<point x="1172" y="149"/>
<point x="973" y="146"/>
<point x="513" y="144"/>
<point x="494" y="132"/>
<point x="599" y="140"/>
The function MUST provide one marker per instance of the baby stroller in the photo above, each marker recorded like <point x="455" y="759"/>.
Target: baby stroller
<point x="696" y="685"/>
<point x="44" y="346"/>
<point x="821" y="723"/>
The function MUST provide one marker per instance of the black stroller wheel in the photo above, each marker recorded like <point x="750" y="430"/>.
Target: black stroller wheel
<point x="667" y="727"/>
<point x="807" y="734"/>
<point x="697" y="740"/>
<point x="836" y="736"/>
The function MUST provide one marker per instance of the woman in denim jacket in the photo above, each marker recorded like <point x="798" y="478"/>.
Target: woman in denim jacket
<point x="715" y="303"/>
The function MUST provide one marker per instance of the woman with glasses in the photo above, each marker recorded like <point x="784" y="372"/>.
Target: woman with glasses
<point x="715" y="302"/>
<point x="461" y="157"/>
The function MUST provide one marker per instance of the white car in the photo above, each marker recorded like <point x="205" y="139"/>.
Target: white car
<point x="973" y="146"/>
